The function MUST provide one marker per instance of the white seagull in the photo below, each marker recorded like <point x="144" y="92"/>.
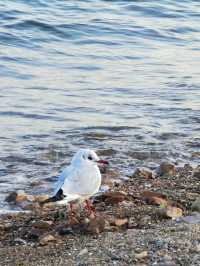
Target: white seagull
<point x="80" y="180"/>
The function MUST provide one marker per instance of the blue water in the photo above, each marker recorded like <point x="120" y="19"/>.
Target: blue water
<point x="118" y="75"/>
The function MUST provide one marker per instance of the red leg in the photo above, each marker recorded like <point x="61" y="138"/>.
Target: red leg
<point x="72" y="212"/>
<point x="71" y="207"/>
<point x="90" y="208"/>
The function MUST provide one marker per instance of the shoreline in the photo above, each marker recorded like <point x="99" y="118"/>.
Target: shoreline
<point x="130" y="228"/>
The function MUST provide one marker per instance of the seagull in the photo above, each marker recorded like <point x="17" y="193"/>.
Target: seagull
<point x="80" y="180"/>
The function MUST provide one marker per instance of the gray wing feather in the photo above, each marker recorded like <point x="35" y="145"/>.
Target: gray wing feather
<point x="61" y="178"/>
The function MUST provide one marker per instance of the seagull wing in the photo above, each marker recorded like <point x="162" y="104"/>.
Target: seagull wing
<point x="61" y="178"/>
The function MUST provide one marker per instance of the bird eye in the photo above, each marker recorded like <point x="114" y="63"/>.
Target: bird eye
<point x="90" y="157"/>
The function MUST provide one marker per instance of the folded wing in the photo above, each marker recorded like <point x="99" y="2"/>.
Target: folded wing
<point x="61" y="178"/>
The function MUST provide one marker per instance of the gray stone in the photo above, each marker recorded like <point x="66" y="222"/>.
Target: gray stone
<point x="196" y="172"/>
<point x="196" y="205"/>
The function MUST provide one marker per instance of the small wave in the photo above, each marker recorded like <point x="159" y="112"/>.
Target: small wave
<point x="155" y="11"/>
<point x="117" y="76"/>
<point x="32" y="116"/>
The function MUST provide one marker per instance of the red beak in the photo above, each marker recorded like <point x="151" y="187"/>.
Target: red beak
<point x="102" y="162"/>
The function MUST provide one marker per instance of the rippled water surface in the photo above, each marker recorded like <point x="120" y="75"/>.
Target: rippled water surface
<point x="122" y="77"/>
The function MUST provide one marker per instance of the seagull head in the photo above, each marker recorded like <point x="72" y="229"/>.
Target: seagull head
<point x="87" y="156"/>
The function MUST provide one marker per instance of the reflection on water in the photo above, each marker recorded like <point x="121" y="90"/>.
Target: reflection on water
<point x="117" y="75"/>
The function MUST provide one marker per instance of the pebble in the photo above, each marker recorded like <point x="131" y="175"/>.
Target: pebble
<point x="143" y="172"/>
<point x="121" y="222"/>
<point x="42" y="224"/>
<point x="167" y="257"/>
<point x="197" y="248"/>
<point x="22" y="198"/>
<point x="196" y="154"/>
<point x="154" y="198"/>
<point x="19" y="241"/>
<point x="11" y="197"/>
<point x="65" y="231"/>
<point x="188" y="167"/>
<point x="44" y="240"/>
<point x="141" y="255"/>
<point x="192" y="219"/>
<point x="166" y="169"/>
<point x="41" y="198"/>
<point x="6" y="226"/>
<point x="96" y="225"/>
<point x="196" y="205"/>
<point x="30" y="206"/>
<point x="170" y="211"/>
<point x="34" y="233"/>
<point x="196" y="172"/>
<point x="83" y="252"/>
<point x="112" y="197"/>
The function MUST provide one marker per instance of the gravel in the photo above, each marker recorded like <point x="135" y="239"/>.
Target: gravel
<point x="145" y="239"/>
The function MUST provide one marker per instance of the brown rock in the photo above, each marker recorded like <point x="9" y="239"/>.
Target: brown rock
<point x="143" y="172"/>
<point x="174" y="212"/>
<point x="18" y="197"/>
<point x="167" y="169"/>
<point x="141" y="255"/>
<point x="121" y="222"/>
<point x="48" y="205"/>
<point x="112" y="197"/>
<point x="196" y="154"/>
<point x="44" y="240"/>
<point x="41" y="198"/>
<point x="96" y="225"/>
<point x="155" y="198"/>
<point x="21" y="197"/>
<point x="42" y="224"/>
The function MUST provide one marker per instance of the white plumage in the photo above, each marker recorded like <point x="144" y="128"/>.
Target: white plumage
<point x="81" y="179"/>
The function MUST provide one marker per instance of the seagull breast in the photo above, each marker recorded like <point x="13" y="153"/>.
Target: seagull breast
<point x="84" y="180"/>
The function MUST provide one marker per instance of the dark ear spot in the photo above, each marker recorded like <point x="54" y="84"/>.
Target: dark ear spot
<point x="90" y="157"/>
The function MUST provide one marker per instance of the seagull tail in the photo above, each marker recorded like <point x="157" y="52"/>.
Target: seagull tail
<point x="60" y="198"/>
